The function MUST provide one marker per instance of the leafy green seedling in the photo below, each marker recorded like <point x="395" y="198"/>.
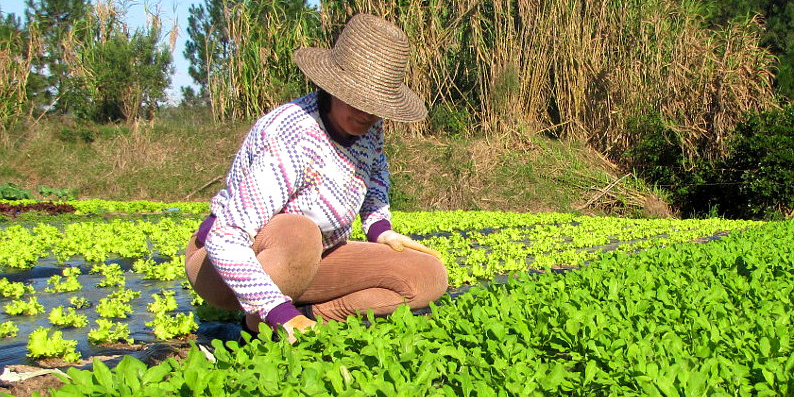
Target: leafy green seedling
<point x="109" y="332"/>
<point x="42" y="344"/>
<point x="19" y="307"/>
<point x="67" y="317"/>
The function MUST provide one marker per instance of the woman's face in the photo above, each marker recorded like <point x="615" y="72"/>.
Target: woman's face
<point x="350" y="120"/>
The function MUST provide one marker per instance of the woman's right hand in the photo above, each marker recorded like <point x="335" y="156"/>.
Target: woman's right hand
<point x="300" y="323"/>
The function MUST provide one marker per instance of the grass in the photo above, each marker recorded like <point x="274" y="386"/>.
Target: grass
<point x="168" y="160"/>
<point x="185" y="156"/>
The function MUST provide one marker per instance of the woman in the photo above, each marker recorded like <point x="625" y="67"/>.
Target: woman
<point x="276" y="243"/>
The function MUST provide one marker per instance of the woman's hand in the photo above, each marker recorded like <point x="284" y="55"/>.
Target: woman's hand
<point x="398" y="241"/>
<point x="300" y="323"/>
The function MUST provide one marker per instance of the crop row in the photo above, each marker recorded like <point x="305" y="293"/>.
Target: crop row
<point x="477" y="246"/>
<point x="97" y="206"/>
<point x="694" y="319"/>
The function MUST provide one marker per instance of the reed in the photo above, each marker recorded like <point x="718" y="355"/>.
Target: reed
<point x="568" y="68"/>
<point x="577" y="68"/>
<point x="17" y="52"/>
<point x="258" y="72"/>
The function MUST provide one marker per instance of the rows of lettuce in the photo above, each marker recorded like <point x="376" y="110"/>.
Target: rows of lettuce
<point x="695" y="319"/>
<point x="477" y="246"/>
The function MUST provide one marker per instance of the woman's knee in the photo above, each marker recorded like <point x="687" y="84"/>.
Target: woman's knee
<point x="437" y="277"/>
<point x="294" y="234"/>
<point x="428" y="279"/>
<point x="289" y="248"/>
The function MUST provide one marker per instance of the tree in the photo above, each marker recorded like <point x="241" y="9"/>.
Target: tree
<point x="55" y="19"/>
<point x="122" y="75"/>
<point x="208" y="42"/>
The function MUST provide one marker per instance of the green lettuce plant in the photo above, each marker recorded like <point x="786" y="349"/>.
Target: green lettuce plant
<point x="79" y="302"/>
<point x="117" y="304"/>
<point x="19" y="307"/>
<point x="14" y="290"/>
<point x="43" y="344"/>
<point x="66" y="283"/>
<point x="108" y="331"/>
<point x="166" y="271"/>
<point x="8" y="329"/>
<point x="168" y="326"/>
<point x="67" y="317"/>
<point x="114" y="276"/>
<point x="163" y="302"/>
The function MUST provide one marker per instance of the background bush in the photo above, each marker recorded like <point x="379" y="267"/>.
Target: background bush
<point x="763" y="149"/>
<point x="755" y="179"/>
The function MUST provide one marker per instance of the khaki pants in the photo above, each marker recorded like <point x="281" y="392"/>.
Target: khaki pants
<point x="346" y="279"/>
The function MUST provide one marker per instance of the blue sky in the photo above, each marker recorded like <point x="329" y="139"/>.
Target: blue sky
<point x="170" y="11"/>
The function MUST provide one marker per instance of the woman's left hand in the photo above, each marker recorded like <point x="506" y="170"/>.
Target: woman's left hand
<point x="398" y="241"/>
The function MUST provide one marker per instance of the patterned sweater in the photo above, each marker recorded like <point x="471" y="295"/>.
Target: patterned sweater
<point x="288" y="163"/>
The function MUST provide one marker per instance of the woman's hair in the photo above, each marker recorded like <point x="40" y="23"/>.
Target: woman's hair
<point x="323" y="101"/>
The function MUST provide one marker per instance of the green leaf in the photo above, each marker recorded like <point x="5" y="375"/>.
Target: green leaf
<point x="764" y="346"/>
<point x="103" y="375"/>
<point x="590" y="371"/>
<point x="156" y="374"/>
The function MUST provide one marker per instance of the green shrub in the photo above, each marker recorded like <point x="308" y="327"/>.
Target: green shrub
<point x="763" y="149"/>
<point x="754" y="180"/>
<point x="12" y="191"/>
<point x="106" y="131"/>
<point x="656" y="155"/>
<point x="447" y="120"/>
<point x="76" y="133"/>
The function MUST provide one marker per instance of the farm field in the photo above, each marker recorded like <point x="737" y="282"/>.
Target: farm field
<point x="650" y="307"/>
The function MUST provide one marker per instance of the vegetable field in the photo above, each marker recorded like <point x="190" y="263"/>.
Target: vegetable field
<point x="656" y="307"/>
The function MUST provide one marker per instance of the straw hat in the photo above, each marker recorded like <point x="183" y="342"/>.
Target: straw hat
<point x="366" y="68"/>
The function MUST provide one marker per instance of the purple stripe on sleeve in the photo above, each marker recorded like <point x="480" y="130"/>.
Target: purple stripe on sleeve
<point x="376" y="229"/>
<point x="281" y="314"/>
<point x="204" y="229"/>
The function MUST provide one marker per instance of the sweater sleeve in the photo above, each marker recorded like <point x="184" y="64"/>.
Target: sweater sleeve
<point x="256" y="193"/>
<point x="375" y="212"/>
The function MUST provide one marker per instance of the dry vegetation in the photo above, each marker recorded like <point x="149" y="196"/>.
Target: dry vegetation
<point x="496" y="75"/>
<point x="512" y="68"/>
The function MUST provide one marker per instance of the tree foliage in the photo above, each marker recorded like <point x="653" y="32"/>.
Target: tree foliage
<point x="56" y="20"/>
<point x="86" y="61"/>
<point x="124" y="75"/>
<point x="778" y="34"/>
<point x="207" y="43"/>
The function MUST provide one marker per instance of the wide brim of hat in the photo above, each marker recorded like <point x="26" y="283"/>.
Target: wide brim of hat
<point x="401" y="104"/>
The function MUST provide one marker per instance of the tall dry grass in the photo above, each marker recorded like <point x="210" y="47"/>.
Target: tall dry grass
<point x="571" y="68"/>
<point x="258" y="72"/>
<point x="17" y="52"/>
